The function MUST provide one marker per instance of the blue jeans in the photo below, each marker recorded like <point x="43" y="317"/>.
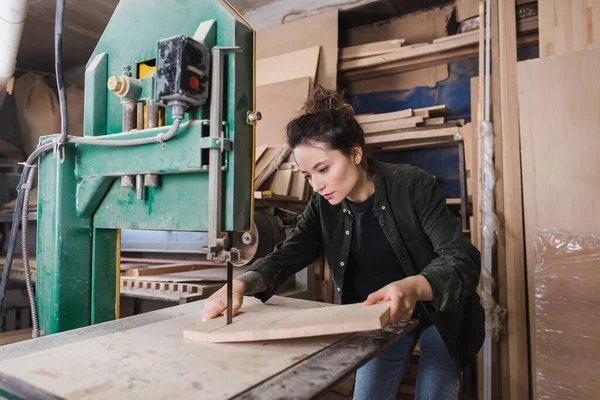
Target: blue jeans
<point x="438" y="374"/>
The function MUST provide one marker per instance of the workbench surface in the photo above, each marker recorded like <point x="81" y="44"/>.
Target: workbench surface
<point x="145" y="356"/>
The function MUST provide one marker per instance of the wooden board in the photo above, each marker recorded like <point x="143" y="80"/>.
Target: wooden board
<point x="515" y="270"/>
<point x="288" y="66"/>
<point x="362" y="119"/>
<point x="456" y="42"/>
<point x="267" y="195"/>
<point x="145" y="357"/>
<point x="370" y="49"/>
<point x="166" y="269"/>
<point x="269" y="162"/>
<point x="568" y="25"/>
<point x="404" y="80"/>
<point x="292" y="324"/>
<point x="217" y="274"/>
<point x="282" y="181"/>
<point x="389" y="138"/>
<point x="567" y="291"/>
<point x="433" y="121"/>
<point x="319" y="30"/>
<point x="279" y="103"/>
<point x="260" y="150"/>
<point x="299" y="184"/>
<point x="561" y="172"/>
<point x="390" y="125"/>
<point x="415" y="28"/>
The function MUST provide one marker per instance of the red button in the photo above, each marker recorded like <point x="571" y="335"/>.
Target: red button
<point x="194" y="82"/>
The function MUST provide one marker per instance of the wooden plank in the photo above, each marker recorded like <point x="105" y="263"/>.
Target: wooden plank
<point x="292" y="324"/>
<point x="260" y="150"/>
<point x="269" y="163"/>
<point x="363" y="119"/>
<point x="458" y="41"/>
<point x="288" y="66"/>
<point x="414" y="28"/>
<point x="424" y="61"/>
<point x="370" y="49"/>
<point x="319" y="30"/>
<point x="559" y="189"/>
<point x="299" y="183"/>
<point x="452" y="37"/>
<point x="282" y="181"/>
<point x="501" y="375"/>
<point x="411" y="135"/>
<point x="267" y="195"/>
<point x="404" y="80"/>
<point x="433" y="121"/>
<point x="419" y="144"/>
<point x="214" y="274"/>
<point x="568" y="25"/>
<point x="390" y="125"/>
<point x="513" y="206"/>
<point x="434" y="111"/>
<point x="166" y="269"/>
<point x="278" y="103"/>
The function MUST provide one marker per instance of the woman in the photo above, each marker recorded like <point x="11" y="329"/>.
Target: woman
<point x="387" y="235"/>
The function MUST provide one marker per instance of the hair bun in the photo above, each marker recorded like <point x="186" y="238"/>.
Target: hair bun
<point x="321" y="99"/>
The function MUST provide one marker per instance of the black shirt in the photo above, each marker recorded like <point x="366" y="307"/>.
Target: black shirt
<point x="372" y="263"/>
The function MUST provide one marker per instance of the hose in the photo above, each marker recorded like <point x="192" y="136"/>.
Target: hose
<point x="25" y="253"/>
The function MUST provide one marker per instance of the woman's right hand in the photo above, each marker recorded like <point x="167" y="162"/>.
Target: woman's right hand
<point x="216" y="304"/>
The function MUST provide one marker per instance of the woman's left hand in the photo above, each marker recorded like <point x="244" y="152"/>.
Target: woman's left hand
<point x="403" y="295"/>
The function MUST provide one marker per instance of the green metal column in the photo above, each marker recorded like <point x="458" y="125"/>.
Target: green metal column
<point x="63" y="248"/>
<point x="105" y="255"/>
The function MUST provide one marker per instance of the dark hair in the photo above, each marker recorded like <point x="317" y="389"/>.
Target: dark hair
<point x="327" y="118"/>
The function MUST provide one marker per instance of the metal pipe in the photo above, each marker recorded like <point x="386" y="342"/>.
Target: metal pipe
<point x="129" y="116"/>
<point x="140" y="116"/>
<point x="139" y="187"/>
<point x="151" y="115"/>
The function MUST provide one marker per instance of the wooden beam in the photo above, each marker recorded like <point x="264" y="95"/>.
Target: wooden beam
<point x="363" y="119"/>
<point x="500" y="350"/>
<point x="370" y="49"/>
<point x="167" y="269"/>
<point x="323" y="321"/>
<point x="518" y="384"/>
<point x="391" y="125"/>
<point x="424" y="135"/>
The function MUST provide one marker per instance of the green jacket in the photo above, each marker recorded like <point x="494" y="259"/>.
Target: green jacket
<point x="425" y="235"/>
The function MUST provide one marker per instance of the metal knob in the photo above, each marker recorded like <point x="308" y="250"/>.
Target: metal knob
<point x="253" y="117"/>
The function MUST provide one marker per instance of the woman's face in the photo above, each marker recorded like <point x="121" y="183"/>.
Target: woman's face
<point x="331" y="173"/>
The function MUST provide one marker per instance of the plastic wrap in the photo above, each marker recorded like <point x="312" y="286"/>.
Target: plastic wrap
<point x="567" y="315"/>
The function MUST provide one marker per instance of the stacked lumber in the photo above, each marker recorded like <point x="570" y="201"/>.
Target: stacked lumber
<point x="417" y="56"/>
<point x="429" y="123"/>
<point x="410" y="57"/>
<point x="276" y="179"/>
